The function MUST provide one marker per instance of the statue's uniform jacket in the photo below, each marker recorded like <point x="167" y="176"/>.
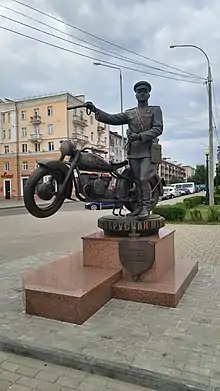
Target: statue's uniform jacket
<point x="150" y="126"/>
<point x="152" y="120"/>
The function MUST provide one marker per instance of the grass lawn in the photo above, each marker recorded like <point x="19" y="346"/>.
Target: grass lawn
<point x="206" y="215"/>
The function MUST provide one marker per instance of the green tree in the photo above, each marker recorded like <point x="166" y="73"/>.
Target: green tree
<point x="200" y="175"/>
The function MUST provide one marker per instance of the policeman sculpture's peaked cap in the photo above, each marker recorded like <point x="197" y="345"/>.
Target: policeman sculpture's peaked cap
<point x="142" y="84"/>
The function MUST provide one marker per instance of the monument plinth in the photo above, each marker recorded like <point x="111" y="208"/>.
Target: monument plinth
<point x="134" y="268"/>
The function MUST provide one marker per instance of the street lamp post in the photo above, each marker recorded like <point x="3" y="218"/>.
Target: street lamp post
<point x="121" y="98"/>
<point x="211" y="145"/>
<point x="207" y="164"/>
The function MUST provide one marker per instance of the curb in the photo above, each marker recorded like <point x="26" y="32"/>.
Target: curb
<point x="23" y="206"/>
<point x="105" y="368"/>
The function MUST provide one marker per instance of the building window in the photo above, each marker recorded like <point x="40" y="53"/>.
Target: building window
<point x="24" y="148"/>
<point x="24" y="165"/>
<point x="9" y="134"/>
<point x="6" y="148"/>
<point x="6" y="166"/>
<point x="50" y="111"/>
<point x="37" y="147"/>
<point x="82" y="131"/>
<point x="36" y="129"/>
<point x="50" y="128"/>
<point x="23" y="132"/>
<point x="36" y="112"/>
<point x="92" y="136"/>
<point x="81" y="114"/>
<point x="36" y="165"/>
<point x="23" y="115"/>
<point x="75" y="129"/>
<point x="9" y="117"/>
<point x="51" y="146"/>
<point x="91" y="119"/>
<point x="3" y="118"/>
<point x="3" y="133"/>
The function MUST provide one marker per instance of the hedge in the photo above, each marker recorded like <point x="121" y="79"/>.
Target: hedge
<point x="191" y="202"/>
<point x="176" y="212"/>
<point x="217" y="199"/>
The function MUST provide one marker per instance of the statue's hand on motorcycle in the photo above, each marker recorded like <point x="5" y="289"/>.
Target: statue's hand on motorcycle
<point x="90" y="107"/>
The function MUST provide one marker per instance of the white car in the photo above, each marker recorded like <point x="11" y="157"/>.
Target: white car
<point x="169" y="192"/>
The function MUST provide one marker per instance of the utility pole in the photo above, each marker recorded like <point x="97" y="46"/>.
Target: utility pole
<point x="210" y="116"/>
<point x="211" y="146"/>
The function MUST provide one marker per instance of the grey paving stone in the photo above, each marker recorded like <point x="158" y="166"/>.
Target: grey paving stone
<point x="123" y="332"/>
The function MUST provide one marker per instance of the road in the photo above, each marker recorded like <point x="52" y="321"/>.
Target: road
<point x="70" y="207"/>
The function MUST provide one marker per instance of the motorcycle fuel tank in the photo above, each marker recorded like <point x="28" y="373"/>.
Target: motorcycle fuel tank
<point x="93" y="162"/>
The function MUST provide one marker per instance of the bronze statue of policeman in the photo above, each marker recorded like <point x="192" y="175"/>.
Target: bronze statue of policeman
<point x="145" y="125"/>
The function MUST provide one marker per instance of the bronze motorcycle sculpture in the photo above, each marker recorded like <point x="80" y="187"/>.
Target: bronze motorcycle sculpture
<point x="65" y="175"/>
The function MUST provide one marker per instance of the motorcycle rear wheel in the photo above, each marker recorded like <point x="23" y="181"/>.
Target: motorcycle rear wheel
<point x="29" y="193"/>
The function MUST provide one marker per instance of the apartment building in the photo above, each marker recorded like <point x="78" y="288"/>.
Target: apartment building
<point x="32" y="129"/>
<point x="190" y="171"/>
<point x="116" y="147"/>
<point x="171" y="171"/>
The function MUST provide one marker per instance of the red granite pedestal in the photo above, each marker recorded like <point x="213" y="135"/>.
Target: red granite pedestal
<point x="74" y="288"/>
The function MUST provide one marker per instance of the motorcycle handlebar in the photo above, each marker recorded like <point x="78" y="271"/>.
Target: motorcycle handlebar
<point x="76" y="107"/>
<point x="88" y="111"/>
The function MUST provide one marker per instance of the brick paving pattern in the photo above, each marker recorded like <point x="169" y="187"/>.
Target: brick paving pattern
<point x="182" y="342"/>
<point x="25" y="374"/>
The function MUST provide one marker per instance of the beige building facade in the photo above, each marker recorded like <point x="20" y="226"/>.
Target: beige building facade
<point x="32" y="129"/>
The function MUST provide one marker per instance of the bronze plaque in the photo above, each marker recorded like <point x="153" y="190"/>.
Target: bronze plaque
<point x="136" y="256"/>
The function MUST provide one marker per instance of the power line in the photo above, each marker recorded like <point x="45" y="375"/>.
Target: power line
<point x="106" y="52"/>
<point x="104" y="40"/>
<point x="94" y="58"/>
<point x="86" y="47"/>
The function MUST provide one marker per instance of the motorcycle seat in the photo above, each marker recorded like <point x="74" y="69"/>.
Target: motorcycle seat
<point x="116" y="166"/>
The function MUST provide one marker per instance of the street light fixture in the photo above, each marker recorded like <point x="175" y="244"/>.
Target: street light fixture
<point x="121" y="97"/>
<point x="211" y="144"/>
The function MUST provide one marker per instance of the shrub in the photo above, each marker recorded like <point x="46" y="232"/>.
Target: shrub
<point x="191" y="202"/>
<point x="175" y="212"/>
<point x="196" y="215"/>
<point x="217" y="199"/>
<point x="213" y="214"/>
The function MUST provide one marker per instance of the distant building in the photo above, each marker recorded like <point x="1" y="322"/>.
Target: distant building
<point x="31" y="129"/>
<point x="115" y="146"/>
<point x="171" y="171"/>
<point x="190" y="171"/>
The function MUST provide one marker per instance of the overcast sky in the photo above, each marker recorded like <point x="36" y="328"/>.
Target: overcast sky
<point x="147" y="27"/>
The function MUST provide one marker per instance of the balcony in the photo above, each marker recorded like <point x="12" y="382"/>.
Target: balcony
<point x="35" y="119"/>
<point x="35" y="137"/>
<point x="101" y="143"/>
<point x="100" y="129"/>
<point x="82" y="139"/>
<point x="78" y="120"/>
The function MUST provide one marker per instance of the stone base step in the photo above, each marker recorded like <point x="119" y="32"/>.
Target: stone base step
<point x="66" y="290"/>
<point x="165" y="292"/>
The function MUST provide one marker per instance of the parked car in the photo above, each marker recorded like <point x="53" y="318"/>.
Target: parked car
<point x="169" y="192"/>
<point x="99" y="205"/>
<point x="185" y="191"/>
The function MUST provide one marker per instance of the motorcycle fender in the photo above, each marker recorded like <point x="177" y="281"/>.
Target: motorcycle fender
<point x="59" y="166"/>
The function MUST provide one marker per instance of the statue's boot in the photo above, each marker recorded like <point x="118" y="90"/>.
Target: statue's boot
<point x="137" y="211"/>
<point x="139" y="206"/>
<point x="144" y="212"/>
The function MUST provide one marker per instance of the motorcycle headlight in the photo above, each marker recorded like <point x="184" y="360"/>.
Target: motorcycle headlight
<point x="66" y="147"/>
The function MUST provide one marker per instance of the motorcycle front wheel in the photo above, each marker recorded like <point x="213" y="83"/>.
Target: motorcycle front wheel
<point x="45" y="191"/>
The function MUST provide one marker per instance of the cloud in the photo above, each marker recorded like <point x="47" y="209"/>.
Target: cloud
<point x="149" y="27"/>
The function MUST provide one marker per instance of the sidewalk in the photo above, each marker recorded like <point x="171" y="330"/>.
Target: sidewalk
<point x="26" y="374"/>
<point x="11" y="204"/>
